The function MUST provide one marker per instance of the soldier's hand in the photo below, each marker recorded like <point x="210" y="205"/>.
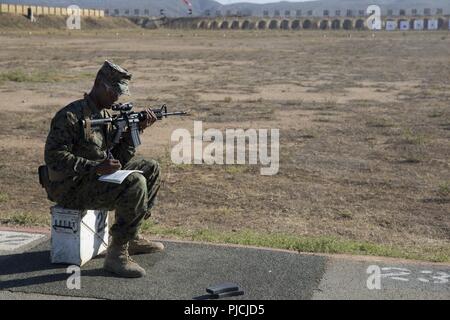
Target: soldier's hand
<point x="150" y="119"/>
<point x="108" y="166"/>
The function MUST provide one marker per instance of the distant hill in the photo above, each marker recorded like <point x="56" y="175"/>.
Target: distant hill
<point x="16" y="22"/>
<point x="178" y="7"/>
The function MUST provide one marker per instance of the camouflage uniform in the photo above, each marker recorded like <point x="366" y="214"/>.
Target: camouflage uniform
<point x="72" y="152"/>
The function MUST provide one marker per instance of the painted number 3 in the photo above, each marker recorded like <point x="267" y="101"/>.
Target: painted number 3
<point x="402" y="274"/>
<point x="439" y="278"/>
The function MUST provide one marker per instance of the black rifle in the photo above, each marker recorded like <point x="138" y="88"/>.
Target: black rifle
<point x="129" y="119"/>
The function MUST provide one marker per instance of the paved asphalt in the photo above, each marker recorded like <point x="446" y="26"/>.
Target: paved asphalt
<point x="347" y="279"/>
<point x="184" y="270"/>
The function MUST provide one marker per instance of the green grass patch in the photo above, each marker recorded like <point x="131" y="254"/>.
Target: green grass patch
<point x="436" y="114"/>
<point x="85" y="75"/>
<point x="19" y="75"/>
<point x="443" y="189"/>
<point x="236" y="169"/>
<point x="379" y="123"/>
<point x="39" y="76"/>
<point x="24" y="219"/>
<point x="345" y="214"/>
<point x="3" y="197"/>
<point x="330" y="245"/>
<point x="410" y="137"/>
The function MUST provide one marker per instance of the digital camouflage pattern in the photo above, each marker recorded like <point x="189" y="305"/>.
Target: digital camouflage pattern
<point x="71" y="154"/>
<point x="115" y="76"/>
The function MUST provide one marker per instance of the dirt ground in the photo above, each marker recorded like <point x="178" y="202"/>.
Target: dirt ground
<point x="364" y="126"/>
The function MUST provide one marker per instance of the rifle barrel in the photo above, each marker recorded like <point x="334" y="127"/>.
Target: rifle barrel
<point x="178" y="113"/>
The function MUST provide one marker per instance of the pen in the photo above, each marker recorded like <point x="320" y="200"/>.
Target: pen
<point x="109" y="155"/>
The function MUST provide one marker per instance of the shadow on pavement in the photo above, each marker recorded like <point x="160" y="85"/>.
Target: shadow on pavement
<point x="26" y="262"/>
<point x="182" y="271"/>
<point x="37" y="262"/>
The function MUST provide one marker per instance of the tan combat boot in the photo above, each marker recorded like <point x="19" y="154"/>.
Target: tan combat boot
<point x="140" y="245"/>
<point x="118" y="261"/>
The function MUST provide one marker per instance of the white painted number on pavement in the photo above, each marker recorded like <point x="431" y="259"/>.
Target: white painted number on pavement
<point x="425" y="276"/>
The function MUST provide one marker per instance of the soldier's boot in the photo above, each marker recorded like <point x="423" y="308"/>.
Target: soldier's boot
<point x="118" y="261"/>
<point x="140" y="245"/>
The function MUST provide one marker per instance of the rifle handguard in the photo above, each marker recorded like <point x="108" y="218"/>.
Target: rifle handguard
<point x="130" y="119"/>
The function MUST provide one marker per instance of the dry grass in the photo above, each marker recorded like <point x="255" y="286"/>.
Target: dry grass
<point x="364" y="129"/>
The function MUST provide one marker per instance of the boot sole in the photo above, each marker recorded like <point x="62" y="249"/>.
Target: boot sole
<point x="121" y="275"/>
<point x="137" y="252"/>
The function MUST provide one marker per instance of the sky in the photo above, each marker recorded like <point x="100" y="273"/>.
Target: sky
<point x="256" y="1"/>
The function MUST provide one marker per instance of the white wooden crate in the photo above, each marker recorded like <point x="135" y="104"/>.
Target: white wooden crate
<point x="78" y="235"/>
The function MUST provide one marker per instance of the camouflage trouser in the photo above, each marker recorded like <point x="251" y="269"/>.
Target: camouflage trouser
<point x="132" y="200"/>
